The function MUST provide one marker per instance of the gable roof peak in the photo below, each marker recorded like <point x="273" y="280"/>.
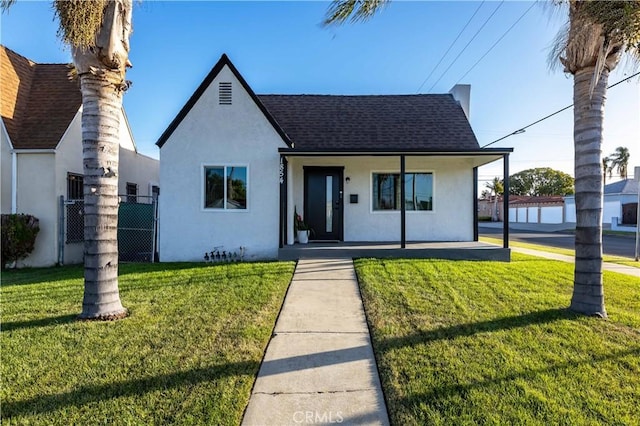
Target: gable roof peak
<point x="222" y="62"/>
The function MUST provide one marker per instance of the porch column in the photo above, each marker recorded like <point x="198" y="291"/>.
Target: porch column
<point x="403" y="207"/>
<point x="475" y="204"/>
<point x="290" y="237"/>
<point x="505" y="200"/>
<point x="283" y="201"/>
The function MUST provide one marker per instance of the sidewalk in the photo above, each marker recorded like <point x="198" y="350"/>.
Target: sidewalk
<point x="319" y="366"/>
<point x="537" y="227"/>
<point x="622" y="269"/>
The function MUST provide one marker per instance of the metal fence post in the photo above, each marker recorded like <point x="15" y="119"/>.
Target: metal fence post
<point x="61" y="210"/>
<point x="155" y="228"/>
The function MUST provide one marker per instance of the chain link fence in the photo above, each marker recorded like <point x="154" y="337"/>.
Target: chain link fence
<point x="137" y="227"/>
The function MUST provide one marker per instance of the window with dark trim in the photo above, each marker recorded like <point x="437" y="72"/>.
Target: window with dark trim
<point x="75" y="186"/>
<point x="75" y="208"/>
<point x="418" y="188"/>
<point x="225" y="187"/>
<point x="132" y="192"/>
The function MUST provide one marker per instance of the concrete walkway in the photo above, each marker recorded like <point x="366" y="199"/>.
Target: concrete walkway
<point x="623" y="269"/>
<point x="319" y="366"/>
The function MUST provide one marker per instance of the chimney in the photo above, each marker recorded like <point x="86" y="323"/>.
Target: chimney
<point x="636" y="173"/>
<point x="462" y="94"/>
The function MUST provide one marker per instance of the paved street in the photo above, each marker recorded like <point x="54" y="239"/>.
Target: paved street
<point x="612" y="244"/>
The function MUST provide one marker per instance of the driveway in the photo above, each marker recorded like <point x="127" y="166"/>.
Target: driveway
<point x="614" y="245"/>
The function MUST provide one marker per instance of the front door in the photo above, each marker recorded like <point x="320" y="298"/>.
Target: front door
<point x="323" y="202"/>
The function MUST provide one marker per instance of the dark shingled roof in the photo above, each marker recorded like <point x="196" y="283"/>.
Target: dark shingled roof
<point x="394" y="122"/>
<point x="38" y="101"/>
<point x="354" y="123"/>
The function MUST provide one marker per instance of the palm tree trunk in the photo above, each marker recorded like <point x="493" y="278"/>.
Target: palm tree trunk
<point x="588" y="294"/>
<point x="102" y="103"/>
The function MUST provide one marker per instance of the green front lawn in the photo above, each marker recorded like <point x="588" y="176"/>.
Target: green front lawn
<point x="492" y="343"/>
<point x="188" y="353"/>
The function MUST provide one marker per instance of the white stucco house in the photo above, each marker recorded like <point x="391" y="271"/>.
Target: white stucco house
<point x="41" y="154"/>
<point x="234" y="166"/>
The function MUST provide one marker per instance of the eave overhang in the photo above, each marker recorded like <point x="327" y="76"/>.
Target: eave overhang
<point x="479" y="156"/>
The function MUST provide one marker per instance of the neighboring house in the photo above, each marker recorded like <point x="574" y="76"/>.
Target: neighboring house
<point x="525" y="209"/>
<point x="620" y="203"/>
<point x="487" y="207"/>
<point x="542" y="209"/>
<point x="234" y="166"/>
<point x="41" y="154"/>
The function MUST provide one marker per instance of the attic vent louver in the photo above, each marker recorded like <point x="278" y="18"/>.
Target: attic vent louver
<point x="224" y="93"/>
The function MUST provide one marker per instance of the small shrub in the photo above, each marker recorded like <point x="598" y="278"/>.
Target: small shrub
<point x="484" y="218"/>
<point x="19" y="233"/>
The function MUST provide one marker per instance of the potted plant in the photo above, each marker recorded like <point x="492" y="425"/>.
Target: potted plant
<point x="301" y="229"/>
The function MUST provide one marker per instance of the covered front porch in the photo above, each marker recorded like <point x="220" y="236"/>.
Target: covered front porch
<point x="378" y="202"/>
<point x="471" y="250"/>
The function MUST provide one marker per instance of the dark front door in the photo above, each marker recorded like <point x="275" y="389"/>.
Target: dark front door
<point x="323" y="202"/>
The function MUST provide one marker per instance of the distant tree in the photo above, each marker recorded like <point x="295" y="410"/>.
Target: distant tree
<point x="541" y="181"/>
<point x="495" y="188"/>
<point x="620" y="161"/>
<point x="606" y="169"/>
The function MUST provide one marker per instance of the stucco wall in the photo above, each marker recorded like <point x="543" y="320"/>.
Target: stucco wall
<point x="612" y="208"/>
<point x="5" y="171"/>
<point x="551" y="214"/>
<point x="450" y="220"/>
<point x="522" y="214"/>
<point x="69" y="160"/>
<point x="570" y="209"/>
<point x="36" y="196"/>
<point x="139" y="169"/>
<point x="213" y="134"/>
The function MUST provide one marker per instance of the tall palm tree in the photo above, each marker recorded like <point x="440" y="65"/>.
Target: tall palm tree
<point x="98" y="33"/>
<point x="496" y="188"/>
<point x="597" y="34"/>
<point x="620" y="161"/>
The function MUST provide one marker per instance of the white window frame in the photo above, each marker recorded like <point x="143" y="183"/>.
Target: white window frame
<point x="203" y="166"/>
<point x="395" y="171"/>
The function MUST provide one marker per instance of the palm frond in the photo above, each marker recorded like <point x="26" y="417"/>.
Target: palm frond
<point x="79" y="20"/>
<point x="342" y="11"/>
<point x="6" y="4"/>
<point x="596" y="34"/>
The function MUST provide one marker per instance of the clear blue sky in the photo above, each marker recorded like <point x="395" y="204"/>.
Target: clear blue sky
<point x="281" y="47"/>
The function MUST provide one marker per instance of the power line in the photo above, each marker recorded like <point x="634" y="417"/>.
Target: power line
<point x="467" y="45"/>
<point x="497" y="41"/>
<point x="521" y="130"/>
<point x="450" y="46"/>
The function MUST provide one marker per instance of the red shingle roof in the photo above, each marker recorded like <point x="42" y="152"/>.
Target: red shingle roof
<point x="545" y="199"/>
<point x="38" y="101"/>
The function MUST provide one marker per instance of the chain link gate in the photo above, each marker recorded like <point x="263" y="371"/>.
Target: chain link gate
<point x="137" y="227"/>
